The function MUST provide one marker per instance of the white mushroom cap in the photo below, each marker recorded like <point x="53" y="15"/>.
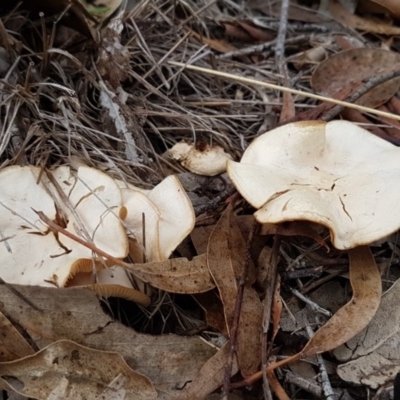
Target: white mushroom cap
<point x="205" y="160"/>
<point x="30" y="253"/>
<point x="335" y="174"/>
<point x="169" y="218"/>
<point x="139" y="205"/>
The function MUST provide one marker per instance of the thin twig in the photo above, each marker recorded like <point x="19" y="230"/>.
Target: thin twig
<point x="314" y="306"/>
<point x="215" y="202"/>
<point x="288" y="108"/>
<point x="259" y="48"/>
<point x="280" y="39"/>
<point x="56" y="228"/>
<point x="325" y="383"/>
<point x="303" y="383"/>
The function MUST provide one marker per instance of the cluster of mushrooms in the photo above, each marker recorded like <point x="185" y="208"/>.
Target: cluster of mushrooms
<point x="334" y="174"/>
<point x="115" y="217"/>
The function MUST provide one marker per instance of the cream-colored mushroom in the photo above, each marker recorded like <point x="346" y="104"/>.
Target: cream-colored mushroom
<point x="202" y="160"/>
<point x="157" y="220"/>
<point x="335" y="174"/>
<point x="88" y="204"/>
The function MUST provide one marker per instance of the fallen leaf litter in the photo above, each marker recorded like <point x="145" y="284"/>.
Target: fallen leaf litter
<point x="94" y="101"/>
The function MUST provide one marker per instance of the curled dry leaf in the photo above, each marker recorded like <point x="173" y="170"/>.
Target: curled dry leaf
<point x="353" y="317"/>
<point x="226" y="257"/>
<point x="178" y="275"/>
<point x="220" y="263"/>
<point x="67" y="370"/>
<point x="355" y="66"/>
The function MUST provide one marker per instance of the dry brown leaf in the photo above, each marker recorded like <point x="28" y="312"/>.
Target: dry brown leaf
<point x="210" y="377"/>
<point x="353" y="317"/>
<point x="76" y="314"/>
<point x="226" y="259"/>
<point x="238" y="243"/>
<point x="212" y="306"/>
<point x="235" y="31"/>
<point x="249" y="333"/>
<point x="177" y="275"/>
<point x="392" y="6"/>
<point x="348" y="20"/>
<point x="200" y="236"/>
<point x="220" y="265"/>
<point x="66" y="370"/>
<point x="256" y="33"/>
<point x="354" y="66"/>
<point x="12" y="344"/>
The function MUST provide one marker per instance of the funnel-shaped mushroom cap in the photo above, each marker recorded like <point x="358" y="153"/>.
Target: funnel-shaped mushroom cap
<point x="335" y="174"/>
<point x="168" y="219"/>
<point x="30" y="253"/>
